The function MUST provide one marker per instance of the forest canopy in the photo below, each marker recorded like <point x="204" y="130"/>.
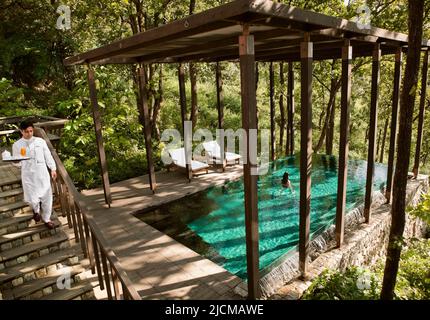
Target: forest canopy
<point x="33" y="80"/>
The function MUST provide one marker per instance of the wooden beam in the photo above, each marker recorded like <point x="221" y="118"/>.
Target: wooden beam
<point x="144" y="115"/>
<point x="272" y="111"/>
<point x="249" y="121"/>
<point x="344" y="141"/>
<point x="394" y="120"/>
<point x="306" y="54"/>
<point x="424" y="73"/>
<point x="229" y="42"/>
<point x="373" y="123"/>
<point x="291" y="108"/>
<point x="99" y="136"/>
<point x="322" y="51"/>
<point x="183" y="103"/>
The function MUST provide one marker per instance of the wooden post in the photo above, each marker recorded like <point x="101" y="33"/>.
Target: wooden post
<point x="421" y="112"/>
<point x="344" y="141"/>
<point x="373" y="123"/>
<point x="272" y="111"/>
<point x="97" y="260"/>
<point x="144" y="115"/>
<point x="290" y="103"/>
<point x="183" y="102"/>
<point x="249" y="121"/>
<point x="394" y="116"/>
<point x="99" y="136"/>
<point x="306" y="57"/>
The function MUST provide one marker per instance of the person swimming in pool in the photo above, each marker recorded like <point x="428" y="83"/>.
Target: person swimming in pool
<point x="286" y="183"/>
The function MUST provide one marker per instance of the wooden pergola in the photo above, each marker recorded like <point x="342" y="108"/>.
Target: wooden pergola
<point x="261" y="30"/>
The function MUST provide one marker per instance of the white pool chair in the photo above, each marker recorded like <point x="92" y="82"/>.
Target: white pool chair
<point x="213" y="153"/>
<point x="178" y="160"/>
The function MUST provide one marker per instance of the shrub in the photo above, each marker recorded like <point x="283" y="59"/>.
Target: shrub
<point x="413" y="278"/>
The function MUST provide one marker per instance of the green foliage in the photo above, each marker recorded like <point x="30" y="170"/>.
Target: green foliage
<point x="353" y="284"/>
<point x="11" y="97"/>
<point x="32" y="51"/>
<point x="122" y="133"/>
<point x="422" y="210"/>
<point x="413" y="278"/>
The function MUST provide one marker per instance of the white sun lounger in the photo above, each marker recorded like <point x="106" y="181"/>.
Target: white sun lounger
<point x="213" y="152"/>
<point x="178" y="158"/>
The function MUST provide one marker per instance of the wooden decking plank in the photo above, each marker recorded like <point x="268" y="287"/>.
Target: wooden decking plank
<point x="160" y="266"/>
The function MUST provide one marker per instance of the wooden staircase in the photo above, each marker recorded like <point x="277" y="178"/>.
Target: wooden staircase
<point x="36" y="262"/>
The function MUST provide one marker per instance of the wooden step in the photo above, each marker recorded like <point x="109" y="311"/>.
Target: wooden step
<point x="10" y="209"/>
<point x="10" y="193"/>
<point x="11" y="196"/>
<point x="77" y="290"/>
<point x="31" y="233"/>
<point x="31" y="250"/>
<point x="35" y="286"/>
<point x="34" y="265"/>
<point x="15" y="223"/>
<point x="10" y="183"/>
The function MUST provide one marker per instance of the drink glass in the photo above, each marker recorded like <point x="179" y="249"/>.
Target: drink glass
<point x="23" y="152"/>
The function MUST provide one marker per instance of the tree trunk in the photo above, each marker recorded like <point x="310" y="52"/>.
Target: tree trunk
<point x="151" y="91"/>
<point x="192" y="6"/>
<point x="272" y="112"/>
<point x="219" y="96"/>
<point x="193" y="80"/>
<point x="407" y="99"/>
<point x="281" y="106"/>
<point x="330" y="129"/>
<point x="157" y="105"/>
<point x="334" y="87"/>
<point x="256" y="86"/>
<point x="378" y="143"/>
<point x="384" y="137"/>
<point x="289" y="151"/>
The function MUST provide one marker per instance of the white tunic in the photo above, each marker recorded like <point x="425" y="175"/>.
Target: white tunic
<point x="36" y="181"/>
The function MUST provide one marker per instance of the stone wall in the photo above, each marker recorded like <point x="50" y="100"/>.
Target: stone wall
<point x="364" y="244"/>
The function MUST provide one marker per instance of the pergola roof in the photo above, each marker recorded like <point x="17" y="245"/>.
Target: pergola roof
<point x="212" y="35"/>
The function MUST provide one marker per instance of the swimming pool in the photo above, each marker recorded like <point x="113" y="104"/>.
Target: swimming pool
<point x="212" y="222"/>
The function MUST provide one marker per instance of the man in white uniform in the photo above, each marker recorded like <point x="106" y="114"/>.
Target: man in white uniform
<point x="34" y="172"/>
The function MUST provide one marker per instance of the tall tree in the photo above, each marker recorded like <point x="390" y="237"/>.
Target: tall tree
<point x="193" y="79"/>
<point x="407" y="99"/>
<point x="384" y="137"/>
<point x="281" y="105"/>
<point x="334" y="88"/>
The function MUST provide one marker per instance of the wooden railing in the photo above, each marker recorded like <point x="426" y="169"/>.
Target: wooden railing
<point x="52" y="126"/>
<point x="94" y="246"/>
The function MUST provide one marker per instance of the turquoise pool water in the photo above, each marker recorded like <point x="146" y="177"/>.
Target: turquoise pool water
<point x="213" y="222"/>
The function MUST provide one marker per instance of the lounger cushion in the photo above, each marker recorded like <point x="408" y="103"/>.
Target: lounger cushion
<point x="197" y="165"/>
<point x="178" y="157"/>
<point x="213" y="150"/>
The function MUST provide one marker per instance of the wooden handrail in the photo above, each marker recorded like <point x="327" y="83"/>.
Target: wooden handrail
<point x="51" y="123"/>
<point x="85" y="227"/>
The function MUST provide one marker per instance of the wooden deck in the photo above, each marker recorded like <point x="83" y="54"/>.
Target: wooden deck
<point x="159" y="266"/>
